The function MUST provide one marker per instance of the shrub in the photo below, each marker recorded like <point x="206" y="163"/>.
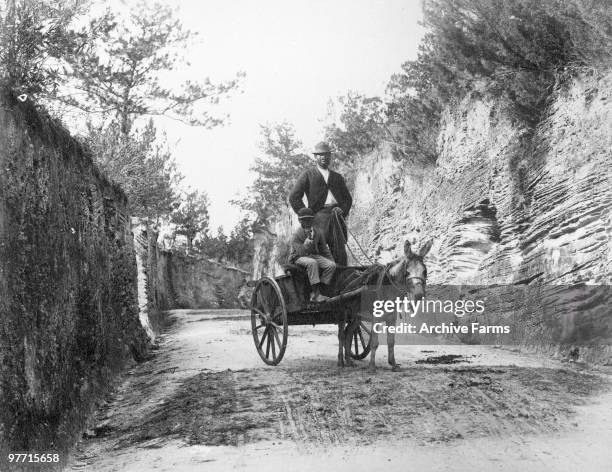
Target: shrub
<point x="516" y="49"/>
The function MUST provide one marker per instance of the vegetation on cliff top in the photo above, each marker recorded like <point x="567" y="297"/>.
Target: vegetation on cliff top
<point x="517" y="50"/>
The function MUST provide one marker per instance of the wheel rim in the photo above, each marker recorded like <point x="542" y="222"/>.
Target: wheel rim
<point x="269" y="321"/>
<point x="360" y="342"/>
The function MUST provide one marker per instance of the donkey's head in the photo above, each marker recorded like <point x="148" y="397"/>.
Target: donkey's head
<point x="410" y="271"/>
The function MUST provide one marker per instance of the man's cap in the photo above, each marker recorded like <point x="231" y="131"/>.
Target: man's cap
<point x="322" y="148"/>
<point x="305" y="214"/>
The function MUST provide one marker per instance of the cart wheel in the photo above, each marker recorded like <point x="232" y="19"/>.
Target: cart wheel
<point x="360" y="345"/>
<point x="269" y="321"/>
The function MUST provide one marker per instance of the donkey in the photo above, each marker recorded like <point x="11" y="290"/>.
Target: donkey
<point x="408" y="274"/>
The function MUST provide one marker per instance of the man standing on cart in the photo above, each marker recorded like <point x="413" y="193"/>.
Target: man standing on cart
<point x="328" y="197"/>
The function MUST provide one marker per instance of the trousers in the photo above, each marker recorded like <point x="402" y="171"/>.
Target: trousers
<point x="335" y="233"/>
<point x="313" y="264"/>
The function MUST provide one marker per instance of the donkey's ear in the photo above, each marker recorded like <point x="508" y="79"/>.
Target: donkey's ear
<point x="408" y="249"/>
<point x="425" y="248"/>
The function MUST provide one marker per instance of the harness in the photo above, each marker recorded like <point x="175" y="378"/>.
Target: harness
<point x="386" y="266"/>
<point x="390" y="279"/>
<point x="365" y="278"/>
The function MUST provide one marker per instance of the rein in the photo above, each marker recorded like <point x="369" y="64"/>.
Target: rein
<point x="338" y="218"/>
<point x="387" y="267"/>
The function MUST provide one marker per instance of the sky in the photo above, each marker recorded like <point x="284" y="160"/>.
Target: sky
<point x="297" y="55"/>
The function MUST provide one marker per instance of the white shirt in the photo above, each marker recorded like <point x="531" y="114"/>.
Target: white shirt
<point x="330" y="200"/>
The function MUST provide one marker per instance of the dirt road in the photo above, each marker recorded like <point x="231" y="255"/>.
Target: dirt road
<point x="207" y="402"/>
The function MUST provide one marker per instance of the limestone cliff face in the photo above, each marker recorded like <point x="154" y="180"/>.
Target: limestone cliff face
<point x="501" y="207"/>
<point x="504" y="205"/>
<point x="510" y="208"/>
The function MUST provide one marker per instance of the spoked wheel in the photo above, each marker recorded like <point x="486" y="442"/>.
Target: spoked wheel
<point x="360" y="344"/>
<point x="269" y="321"/>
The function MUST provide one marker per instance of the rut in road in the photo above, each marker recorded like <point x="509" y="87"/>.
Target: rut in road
<point x="314" y="405"/>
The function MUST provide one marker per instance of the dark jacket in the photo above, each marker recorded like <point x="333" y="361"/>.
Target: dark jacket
<point x="299" y="250"/>
<point x="313" y="185"/>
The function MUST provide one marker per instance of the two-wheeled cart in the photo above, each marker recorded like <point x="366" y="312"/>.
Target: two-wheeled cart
<point x="280" y="302"/>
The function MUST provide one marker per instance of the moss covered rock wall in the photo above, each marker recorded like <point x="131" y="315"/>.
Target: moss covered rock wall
<point x="68" y="301"/>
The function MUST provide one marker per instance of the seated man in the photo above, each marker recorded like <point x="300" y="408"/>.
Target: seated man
<point x="309" y="250"/>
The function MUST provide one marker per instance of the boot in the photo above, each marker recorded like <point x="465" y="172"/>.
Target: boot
<point x="316" y="296"/>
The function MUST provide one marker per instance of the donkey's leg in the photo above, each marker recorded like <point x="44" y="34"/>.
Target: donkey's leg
<point x="391" y="344"/>
<point x="348" y="339"/>
<point x="373" y="347"/>
<point x="341" y="342"/>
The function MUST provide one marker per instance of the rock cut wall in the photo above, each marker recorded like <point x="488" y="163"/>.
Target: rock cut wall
<point x="508" y="206"/>
<point x="68" y="302"/>
<point x="174" y="279"/>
